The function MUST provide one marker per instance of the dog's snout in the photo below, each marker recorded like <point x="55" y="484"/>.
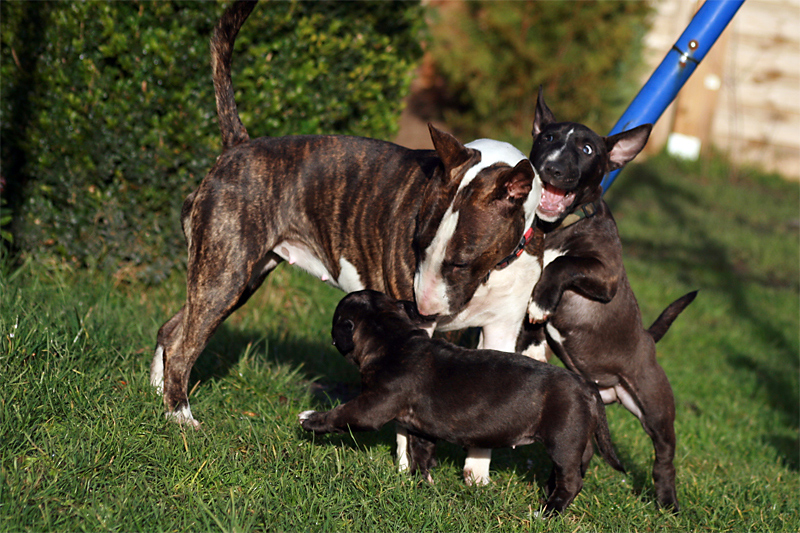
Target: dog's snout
<point x="554" y="170"/>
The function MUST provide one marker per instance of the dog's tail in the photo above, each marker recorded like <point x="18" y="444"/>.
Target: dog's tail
<point x="665" y="319"/>
<point x="602" y="435"/>
<point x="233" y="131"/>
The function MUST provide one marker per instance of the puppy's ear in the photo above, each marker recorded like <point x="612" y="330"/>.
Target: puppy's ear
<point x="623" y="147"/>
<point x="343" y="336"/>
<point x="543" y="115"/>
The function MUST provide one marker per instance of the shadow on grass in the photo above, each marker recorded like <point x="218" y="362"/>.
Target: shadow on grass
<point x="709" y="254"/>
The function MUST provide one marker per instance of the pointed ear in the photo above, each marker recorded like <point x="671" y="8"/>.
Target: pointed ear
<point x="543" y="115"/>
<point x="517" y="183"/>
<point x="623" y="147"/>
<point x="452" y="153"/>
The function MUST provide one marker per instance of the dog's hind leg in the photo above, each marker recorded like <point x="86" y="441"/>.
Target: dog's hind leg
<point x="652" y="396"/>
<point x="165" y="334"/>
<point x="565" y="481"/>
<point x="214" y="291"/>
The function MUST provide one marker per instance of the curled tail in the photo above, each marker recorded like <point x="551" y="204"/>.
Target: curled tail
<point x="233" y="131"/>
<point x="602" y="435"/>
<point x="665" y="319"/>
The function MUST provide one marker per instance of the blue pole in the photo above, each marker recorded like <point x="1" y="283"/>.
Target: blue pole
<point x="678" y="65"/>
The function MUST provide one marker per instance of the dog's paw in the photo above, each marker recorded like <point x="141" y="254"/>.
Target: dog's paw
<point x="183" y="416"/>
<point x="305" y="415"/>
<point x="536" y="351"/>
<point x="537" y="315"/>
<point x="472" y="479"/>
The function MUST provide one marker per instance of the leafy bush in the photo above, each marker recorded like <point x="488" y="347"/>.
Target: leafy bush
<point x="108" y="114"/>
<point x="495" y="55"/>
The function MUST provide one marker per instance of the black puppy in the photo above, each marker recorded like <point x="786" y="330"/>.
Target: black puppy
<point x="583" y="304"/>
<point x="473" y="398"/>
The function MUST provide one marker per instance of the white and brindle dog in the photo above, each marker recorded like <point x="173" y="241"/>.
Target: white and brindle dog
<point x="449" y="228"/>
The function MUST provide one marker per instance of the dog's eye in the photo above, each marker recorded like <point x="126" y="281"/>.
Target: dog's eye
<point x="588" y="150"/>
<point x="457" y="265"/>
<point x="548" y="138"/>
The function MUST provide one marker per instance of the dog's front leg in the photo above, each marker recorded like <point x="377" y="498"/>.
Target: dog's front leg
<point x="500" y="336"/>
<point x="587" y="276"/>
<point x="403" y="462"/>
<point x="366" y="412"/>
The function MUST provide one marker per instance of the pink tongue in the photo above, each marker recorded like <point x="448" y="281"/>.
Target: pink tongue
<point x="552" y="198"/>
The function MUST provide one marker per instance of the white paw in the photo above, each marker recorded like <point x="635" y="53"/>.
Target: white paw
<point x="402" y="450"/>
<point x="475" y="480"/>
<point x="476" y="467"/>
<point x="305" y="415"/>
<point x="536" y="314"/>
<point x="536" y="351"/>
<point x="183" y="416"/>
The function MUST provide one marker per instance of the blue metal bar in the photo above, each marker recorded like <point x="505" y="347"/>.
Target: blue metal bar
<point x="678" y="65"/>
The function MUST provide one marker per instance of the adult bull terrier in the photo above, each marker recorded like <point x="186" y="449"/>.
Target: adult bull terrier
<point x="436" y="226"/>
<point x="473" y="398"/>
<point x="583" y="304"/>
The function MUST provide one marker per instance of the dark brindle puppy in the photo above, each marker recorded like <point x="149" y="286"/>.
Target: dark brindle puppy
<point x="473" y="398"/>
<point x="583" y="304"/>
<point x="424" y="225"/>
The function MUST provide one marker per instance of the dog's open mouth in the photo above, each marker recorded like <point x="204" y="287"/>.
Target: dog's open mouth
<point x="554" y="202"/>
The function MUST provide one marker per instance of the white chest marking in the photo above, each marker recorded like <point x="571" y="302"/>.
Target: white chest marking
<point x="551" y="255"/>
<point x="499" y="305"/>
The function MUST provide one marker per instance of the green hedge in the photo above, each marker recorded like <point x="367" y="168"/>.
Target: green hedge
<point x="108" y="116"/>
<point x="494" y="56"/>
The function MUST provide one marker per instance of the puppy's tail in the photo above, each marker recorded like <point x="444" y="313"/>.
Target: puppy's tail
<point x="665" y="319"/>
<point x="602" y="435"/>
<point x="233" y="131"/>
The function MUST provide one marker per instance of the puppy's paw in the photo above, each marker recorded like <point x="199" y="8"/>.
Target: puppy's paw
<point x="305" y="415"/>
<point x="537" y="315"/>
<point x="537" y="351"/>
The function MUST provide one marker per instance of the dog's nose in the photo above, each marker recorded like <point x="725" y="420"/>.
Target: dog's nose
<point x="553" y="170"/>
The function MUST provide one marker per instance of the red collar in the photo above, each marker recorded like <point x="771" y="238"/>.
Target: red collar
<point x="526" y="237"/>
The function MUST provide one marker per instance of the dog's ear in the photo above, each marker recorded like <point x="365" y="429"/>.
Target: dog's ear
<point x="623" y="147"/>
<point x="452" y="153"/>
<point x="517" y="183"/>
<point x="543" y="115"/>
<point x="343" y="336"/>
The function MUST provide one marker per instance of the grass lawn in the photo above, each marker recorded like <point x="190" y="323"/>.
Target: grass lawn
<point x="84" y="444"/>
